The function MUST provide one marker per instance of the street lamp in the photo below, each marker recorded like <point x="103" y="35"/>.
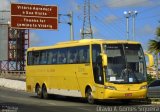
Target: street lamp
<point x="133" y="14"/>
<point x="127" y="15"/>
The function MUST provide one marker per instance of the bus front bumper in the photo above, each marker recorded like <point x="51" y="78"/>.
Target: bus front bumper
<point x="115" y="94"/>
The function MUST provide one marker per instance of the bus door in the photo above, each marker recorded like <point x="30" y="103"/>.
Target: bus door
<point x="71" y="78"/>
<point x="83" y="68"/>
<point x="98" y="70"/>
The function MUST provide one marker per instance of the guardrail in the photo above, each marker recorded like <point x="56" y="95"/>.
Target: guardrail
<point x="13" y="72"/>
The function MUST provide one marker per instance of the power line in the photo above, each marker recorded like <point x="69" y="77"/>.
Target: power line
<point x="108" y="24"/>
<point x="148" y="17"/>
<point x="138" y="2"/>
<point x="104" y="27"/>
<point x="102" y="16"/>
<point x="121" y="2"/>
<point x="108" y="29"/>
<point x="149" y="9"/>
<point x="98" y="32"/>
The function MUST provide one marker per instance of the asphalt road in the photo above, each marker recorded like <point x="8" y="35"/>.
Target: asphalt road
<point x="20" y="101"/>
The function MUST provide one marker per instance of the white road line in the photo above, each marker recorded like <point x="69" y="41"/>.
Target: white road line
<point x="84" y="109"/>
<point x="28" y="100"/>
<point x="50" y="103"/>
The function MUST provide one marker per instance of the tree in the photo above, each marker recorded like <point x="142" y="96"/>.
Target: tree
<point x="154" y="46"/>
<point x="158" y="32"/>
<point x="149" y="78"/>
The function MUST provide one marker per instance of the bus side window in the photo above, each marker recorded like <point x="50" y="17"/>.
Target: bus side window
<point x="52" y="56"/>
<point x="36" y="57"/>
<point x="62" y="56"/>
<point x="73" y="55"/>
<point x="49" y="56"/>
<point x="84" y="54"/>
<point x="59" y="57"/>
<point x="43" y="57"/>
<point x="81" y="58"/>
<point x="76" y="58"/>
<point x="30" y="59"/>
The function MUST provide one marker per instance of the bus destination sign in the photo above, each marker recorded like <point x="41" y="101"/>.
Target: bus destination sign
<point x="29" y="16"/>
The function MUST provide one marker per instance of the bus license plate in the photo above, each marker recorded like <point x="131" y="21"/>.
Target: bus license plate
<point x="128" y="94"/>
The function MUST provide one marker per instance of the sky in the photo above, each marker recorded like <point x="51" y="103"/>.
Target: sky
<point x="107" y="20"/>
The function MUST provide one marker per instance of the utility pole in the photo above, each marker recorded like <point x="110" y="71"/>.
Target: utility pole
<point x="3" y="12"/>
<point x="133" y="14"/>
<point x="127" y="27"/>
<point x="87" y="29"/>
<point x="70" y="15"/>
<point x="127" y="15"/>
<point x="71" y="26"/>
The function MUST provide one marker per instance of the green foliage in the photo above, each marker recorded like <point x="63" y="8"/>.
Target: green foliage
<point x="158" y="32"/>
<point x="149" y="78"/>
<point x="154" y="47"/>
<point x="154" y="44"/>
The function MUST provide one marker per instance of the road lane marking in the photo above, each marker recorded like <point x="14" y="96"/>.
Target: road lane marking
<point x="84" y="109"/>
<point x="50" y="103"/>
<point x="27" y="100"/>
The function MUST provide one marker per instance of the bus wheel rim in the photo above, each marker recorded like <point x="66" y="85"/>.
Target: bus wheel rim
<point x="45" y="94"/>
<point x="90" y="97"/>
<point x="39" y="92"/>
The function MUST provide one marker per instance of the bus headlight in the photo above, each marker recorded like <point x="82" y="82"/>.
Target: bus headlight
<point x="143" y="87"/>
<point x="110" y="87"/>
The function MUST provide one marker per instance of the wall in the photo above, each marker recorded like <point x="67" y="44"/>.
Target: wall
<point x="3" y="42"/>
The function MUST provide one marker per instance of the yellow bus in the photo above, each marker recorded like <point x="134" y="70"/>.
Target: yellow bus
<point x="88" y="68"/>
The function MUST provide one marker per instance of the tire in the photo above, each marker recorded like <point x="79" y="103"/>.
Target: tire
<point x="44" y="92"/>
<point x="38" y="91"/>
<point x="89" y="96"/>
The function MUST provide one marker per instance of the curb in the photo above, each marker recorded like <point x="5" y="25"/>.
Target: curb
<point x="13" y="77"/>
<point x="13" y="84"/>
<point x="155" y="102"/>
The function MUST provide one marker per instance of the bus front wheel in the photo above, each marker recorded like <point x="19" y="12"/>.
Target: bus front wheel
<point x="44" y="92"/>
<point x="89" y="96"/>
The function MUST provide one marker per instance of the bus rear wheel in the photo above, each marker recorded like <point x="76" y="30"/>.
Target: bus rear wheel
<point x="44" y="92"/>
<point x="89" y="96"/>
<point x="38" y="91"/>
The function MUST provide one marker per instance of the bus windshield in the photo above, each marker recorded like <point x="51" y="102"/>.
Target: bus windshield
<point x="126" y="63"/>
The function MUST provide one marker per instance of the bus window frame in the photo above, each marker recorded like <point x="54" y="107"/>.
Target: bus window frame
<point x="97" y="65"/>
<point x="82" y="47"/>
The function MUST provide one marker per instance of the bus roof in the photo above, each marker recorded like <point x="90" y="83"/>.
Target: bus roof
<point x="83" y="42"/>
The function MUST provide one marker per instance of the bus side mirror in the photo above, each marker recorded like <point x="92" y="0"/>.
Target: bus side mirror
<point x="104" y="60"/>
<point x="150" y="59"/>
